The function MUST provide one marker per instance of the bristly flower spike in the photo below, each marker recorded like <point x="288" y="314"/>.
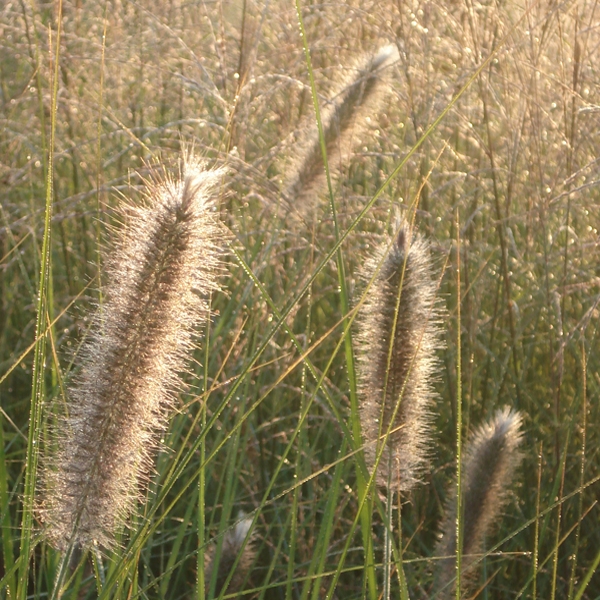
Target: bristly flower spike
<point x="234" y="541"/>
<point x="492" y="457"/>
<point x="343" y="121"/>
<point x="399" y="336"/>
<point x="163" y="268"/>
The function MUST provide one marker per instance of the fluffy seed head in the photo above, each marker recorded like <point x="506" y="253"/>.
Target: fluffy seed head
<point x="343" y="120"/>
<point x="399" y="336"/>
<point x="491" y="459"/>
<point x="163" y="267"/>
<point x="230" y="548"/>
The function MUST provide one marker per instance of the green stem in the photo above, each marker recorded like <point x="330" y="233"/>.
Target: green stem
<point x="459" y="533"/>
<point x="38" y="387"/>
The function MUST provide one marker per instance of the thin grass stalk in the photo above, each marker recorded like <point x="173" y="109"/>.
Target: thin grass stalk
<point x="387" y="537"/>
<point x="99" y="573"/>
<point x="536" y="536"/>
<point x="173" y="557"/>
<point x="299" y="469"/>
<point x="404" y="595"/>
<point x="501" y="228"/>
<point x="557" y="542"/>
<point x="164" y="265"/>
<point x="317" y="565"/>
<point x="582" y="464"/>
<point x="201" y="521"/>
<point x="5" y="523"/>
<point x="99" y="181"/>
<point x="221" y="550"/>
<point x="39" y="360"/>
<point x="459" y="424"/>
<point x="15" y="245"/>
<point x="344" y="306"/>
<point x="363" y="502"/>
<point x="293" y="541"/>
<point x="588" y="577"/>
<point x="303" y="442"/>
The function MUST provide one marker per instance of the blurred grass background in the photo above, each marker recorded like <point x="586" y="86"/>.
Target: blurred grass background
<point x="265" y="427"/>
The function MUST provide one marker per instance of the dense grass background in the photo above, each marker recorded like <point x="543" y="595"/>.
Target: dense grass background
<point x="92" y="92"/>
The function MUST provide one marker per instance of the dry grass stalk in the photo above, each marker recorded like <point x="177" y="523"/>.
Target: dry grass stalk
<point x="230" y="548"/>
<point x="343" y="120"/>
<point x="492" y="457"/>
<point x="399" y="336"/>
<point x="162" y="269"/>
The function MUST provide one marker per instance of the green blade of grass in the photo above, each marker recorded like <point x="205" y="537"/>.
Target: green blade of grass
<point x="588" y="577"/>
<point x="38" y="387"/>
<point x="5" y="521"/>
<point x="459" y="527"/>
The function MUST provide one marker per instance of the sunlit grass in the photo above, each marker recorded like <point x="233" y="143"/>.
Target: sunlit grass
<point x="486" y="132"/>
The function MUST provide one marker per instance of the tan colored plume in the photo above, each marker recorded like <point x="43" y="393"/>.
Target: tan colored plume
<point x="398" y="335"/>
<point x="491" y="459"/>
<point x="343" y="119"/>
<point x="163" y="267"/>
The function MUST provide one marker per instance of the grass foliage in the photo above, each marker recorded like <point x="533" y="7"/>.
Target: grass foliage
<point x="481" y="126"/>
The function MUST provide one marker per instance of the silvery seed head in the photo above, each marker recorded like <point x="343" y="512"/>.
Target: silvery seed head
<point x="163" y="267"/>
<point x="343" y="120"/>
<point x="398" y="339"/>
<point x="491" y="458"/>
<point x="234" y="542"/>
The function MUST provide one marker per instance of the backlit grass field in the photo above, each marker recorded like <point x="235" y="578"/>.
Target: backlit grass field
<point x="479" y="123"/>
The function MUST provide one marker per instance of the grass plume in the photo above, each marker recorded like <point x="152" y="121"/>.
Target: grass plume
<point x="224" y="561"/>
<point x="492" y="457"/>
<point x="162" y="269"/>
<point x="343" y="120"/>
<point x="398" y="336"/>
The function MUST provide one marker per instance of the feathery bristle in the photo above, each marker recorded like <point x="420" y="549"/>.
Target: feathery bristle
<point x="492" y="456"/>
<point x="230" y="548"/>
<point x="399" y="336"/>
<point x="357" y="98"/>
<point x="162" y="269"/>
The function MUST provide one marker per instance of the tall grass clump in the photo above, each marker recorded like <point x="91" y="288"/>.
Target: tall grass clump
<point x="399" y="336"/>
<point x="491" y="459"/>
<point x="159" y="275"/>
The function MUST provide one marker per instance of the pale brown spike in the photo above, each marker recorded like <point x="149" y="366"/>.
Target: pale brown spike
<point x="398" y="339"/>
<point x="163" y="267"/>
<point x="343" y="121"/>
<point x="491" y="458"/>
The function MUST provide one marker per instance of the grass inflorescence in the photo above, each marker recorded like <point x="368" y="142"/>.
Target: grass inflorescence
<point x="491" y="462"/>
<point x="399" y="336"/>
<point x="159" y="275"/>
